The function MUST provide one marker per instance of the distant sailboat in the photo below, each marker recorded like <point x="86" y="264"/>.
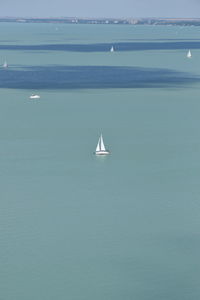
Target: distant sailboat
<point x="100" y="149"/>
<point x="189" y="54"/>
<point x="112" y="49"/>
<point x="5" y="65"/>
<point x="34" y="96"/>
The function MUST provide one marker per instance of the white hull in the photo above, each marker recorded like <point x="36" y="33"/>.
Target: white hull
<point x="106" y="152"/>
<point x="34" y="97"/>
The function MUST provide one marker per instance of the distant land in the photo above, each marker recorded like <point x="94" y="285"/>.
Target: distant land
<point x="116" y="21"/>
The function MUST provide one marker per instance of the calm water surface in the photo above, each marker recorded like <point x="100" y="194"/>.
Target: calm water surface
<point x="79" y="227"/>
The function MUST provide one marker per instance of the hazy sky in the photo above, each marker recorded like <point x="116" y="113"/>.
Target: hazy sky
<point x="100" y="8"/>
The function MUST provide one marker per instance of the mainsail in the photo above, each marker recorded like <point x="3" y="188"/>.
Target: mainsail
<point x="189" y="54"/>
<point x="5" y="65"/>
<point x="100" y="145"/>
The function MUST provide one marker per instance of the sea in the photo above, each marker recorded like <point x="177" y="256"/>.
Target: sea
<point x="75" y="226"/>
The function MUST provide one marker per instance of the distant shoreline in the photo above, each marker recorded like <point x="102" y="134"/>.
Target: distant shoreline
<point x="115" y="21"/>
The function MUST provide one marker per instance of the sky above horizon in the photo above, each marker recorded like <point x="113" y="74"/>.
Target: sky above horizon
<point x="101" y="8"/>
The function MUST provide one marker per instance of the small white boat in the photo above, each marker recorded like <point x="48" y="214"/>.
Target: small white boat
<point x="100" y="149"/>
<point x="34" y="96"/>
<point x="189" y="54"/>
<point x="112" y="49"/>
<point x="5" y="65"/>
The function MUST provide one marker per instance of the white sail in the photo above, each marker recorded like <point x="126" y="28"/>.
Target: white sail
<point x="102" y="146"/>
<point x="189" y="54"/>
<point x="5" y="65"/>
<point x="112" y="49"/>
<point x="98" y="148"/>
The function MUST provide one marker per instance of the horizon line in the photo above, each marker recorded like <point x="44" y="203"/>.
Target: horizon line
<point x="97" y="18"/>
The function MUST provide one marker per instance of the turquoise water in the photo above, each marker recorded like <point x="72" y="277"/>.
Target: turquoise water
<point x="75" y="226"/>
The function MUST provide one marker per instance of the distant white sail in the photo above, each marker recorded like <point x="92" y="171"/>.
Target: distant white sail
<point x="98" y="145"/>
<point x="100" y="149"/>
<point x="5" y="65"/>
<point x="102" y="146"/>
<point x="189" y="54"/>
<point x="112" y="49"/>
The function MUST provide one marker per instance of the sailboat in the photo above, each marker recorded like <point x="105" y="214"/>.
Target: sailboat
<point x="112" y="49"/>
<point x="34" y="96"/>
<point x="5" y="65"/>
<point x="100" y="149"/>
<point x="189" y="54"/>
